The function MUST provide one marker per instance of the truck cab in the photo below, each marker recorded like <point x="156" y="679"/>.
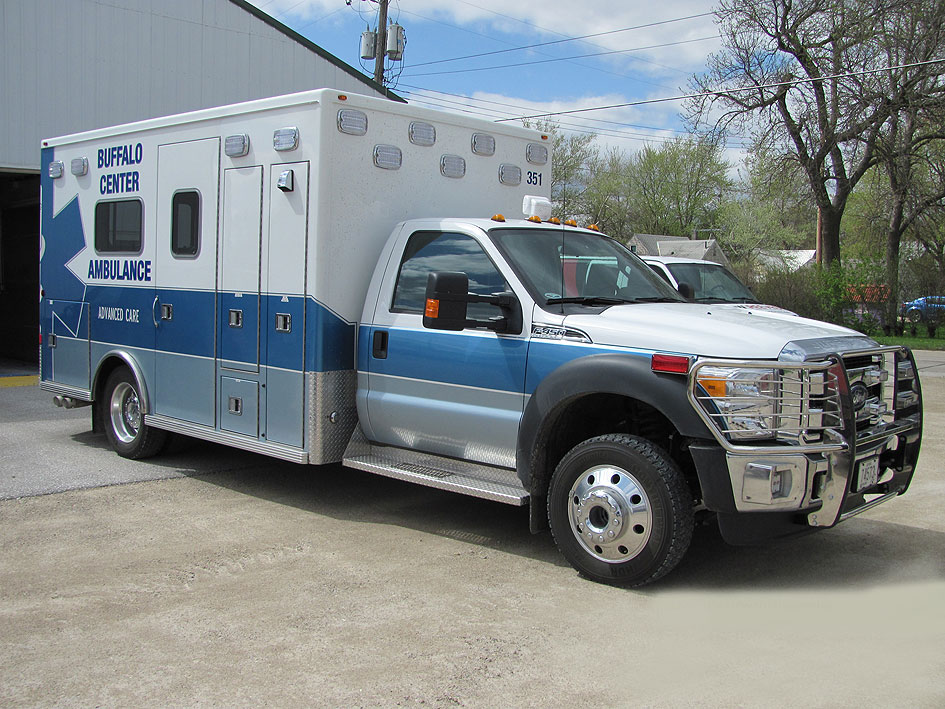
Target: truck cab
<point x="539" y="363"/>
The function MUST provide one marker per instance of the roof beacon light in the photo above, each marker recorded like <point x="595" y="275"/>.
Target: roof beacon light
<point x="593" y="227"/>
<point x="535" y="206"/>
<point x="498" y="218"/>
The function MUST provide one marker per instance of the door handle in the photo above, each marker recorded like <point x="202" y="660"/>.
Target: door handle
<point x="379" y="348"/>
<point x="154" y="310"/>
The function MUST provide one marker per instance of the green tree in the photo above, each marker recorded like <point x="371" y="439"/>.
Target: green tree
<point x="773" y="209"/>
<point x="672" y="188"/>
<point x="572" y="155"/>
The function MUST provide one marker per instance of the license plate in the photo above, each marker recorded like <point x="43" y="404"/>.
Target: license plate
<point x="867" y="473"/>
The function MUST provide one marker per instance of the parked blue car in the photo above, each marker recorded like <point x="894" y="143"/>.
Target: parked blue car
<point x="924" y="308"/>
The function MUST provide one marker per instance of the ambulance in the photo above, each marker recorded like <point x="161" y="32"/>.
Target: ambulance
<point x="333" y="279"/>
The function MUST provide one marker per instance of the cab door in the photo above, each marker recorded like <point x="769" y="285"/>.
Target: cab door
<point x="458" y="394"/>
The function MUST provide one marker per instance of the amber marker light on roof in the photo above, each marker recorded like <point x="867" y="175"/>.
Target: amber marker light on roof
<point x="498" y="218"/>
<point x="535" y="218"/>
<point x="594" y="227"/>
<point x="554" y="220"/>
<point x="570" y="222"/>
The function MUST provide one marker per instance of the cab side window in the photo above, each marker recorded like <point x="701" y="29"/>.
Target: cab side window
<point x="427" y="252"/>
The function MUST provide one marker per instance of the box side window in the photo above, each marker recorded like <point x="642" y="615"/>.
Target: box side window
<point x="185" y="223"/>
<point x="118" y="226"/>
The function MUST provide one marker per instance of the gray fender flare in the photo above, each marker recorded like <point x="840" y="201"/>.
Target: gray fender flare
<point x="621" y="374"/>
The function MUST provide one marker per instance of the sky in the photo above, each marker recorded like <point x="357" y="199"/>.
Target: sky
<point x="479" y="57"/>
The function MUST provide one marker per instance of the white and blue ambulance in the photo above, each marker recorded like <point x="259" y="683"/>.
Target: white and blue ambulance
<point x="329" y="278"/>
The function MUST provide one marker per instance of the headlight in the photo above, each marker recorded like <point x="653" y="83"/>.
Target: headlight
<point x="746" y="400"/>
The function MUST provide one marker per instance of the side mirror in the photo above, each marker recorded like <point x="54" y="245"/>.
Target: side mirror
<point x="448" y="295"/>
<point x="686" y="291"/>
<point x="446" y="299"/>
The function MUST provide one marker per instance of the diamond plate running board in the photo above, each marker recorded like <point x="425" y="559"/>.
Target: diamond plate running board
<point x="475" y="479"/>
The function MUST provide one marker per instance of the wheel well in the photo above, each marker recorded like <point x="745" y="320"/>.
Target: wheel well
<point x="584" y="417"/>
<point x="105" y="368"/>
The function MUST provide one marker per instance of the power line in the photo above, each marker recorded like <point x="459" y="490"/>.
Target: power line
<point x="562" y="59"/>
<point x="448" y="105"/>
<point x="510" y="105"/>
<point x="562" y="41"/>
<point x="720" y="94"/>
<point x="586" y="66"/>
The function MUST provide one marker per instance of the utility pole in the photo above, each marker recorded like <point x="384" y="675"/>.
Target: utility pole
<point x="381" y="46"/>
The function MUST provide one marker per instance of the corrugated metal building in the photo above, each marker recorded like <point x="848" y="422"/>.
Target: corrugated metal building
<point x="73" y="65"/>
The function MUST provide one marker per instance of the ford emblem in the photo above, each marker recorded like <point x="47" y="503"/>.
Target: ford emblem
<point x="860" y="395"/>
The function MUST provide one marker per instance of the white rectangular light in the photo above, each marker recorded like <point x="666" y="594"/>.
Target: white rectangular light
<point x="285" y="139"/>
<point x="236" y="146"/>
<point x="510" y="174"/>
<point x="452" y="166"/>
<point x="388" y="157"/>
<point x="422" y="133"/>
<point x="536" y="153"/>
<point x="483" y="144"/>
<point x="79" y="166"/>
<point x="55" y="169"/>
<point x="352" y="122"/>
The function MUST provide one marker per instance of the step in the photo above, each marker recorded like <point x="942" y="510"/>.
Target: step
<point x="474" y="479"/>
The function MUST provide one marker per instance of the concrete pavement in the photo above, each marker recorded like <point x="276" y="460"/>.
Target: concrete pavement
<point x="221" y="578"/>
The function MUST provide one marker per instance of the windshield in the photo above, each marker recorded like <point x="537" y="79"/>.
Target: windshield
<point x="564" y="266"/>
<point x="711" y="283"/>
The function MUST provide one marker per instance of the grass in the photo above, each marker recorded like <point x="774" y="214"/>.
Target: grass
<point x="921" y="340"/>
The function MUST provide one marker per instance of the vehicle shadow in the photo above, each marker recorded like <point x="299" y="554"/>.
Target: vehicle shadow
<point x="861" y="551"/>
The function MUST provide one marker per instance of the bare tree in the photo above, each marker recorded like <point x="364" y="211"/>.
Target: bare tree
<point x="799" y="73"/>
<point x="908" y="148"/>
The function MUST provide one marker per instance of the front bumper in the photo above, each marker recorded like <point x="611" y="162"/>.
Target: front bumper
<point x="841" y="459"/>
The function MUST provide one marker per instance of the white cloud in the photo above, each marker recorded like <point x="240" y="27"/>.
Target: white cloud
<point x="549" y="20"/>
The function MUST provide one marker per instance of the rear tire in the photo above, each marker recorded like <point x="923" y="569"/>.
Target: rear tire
<point x="123" y="419"/>
<point x="620" y="510"/>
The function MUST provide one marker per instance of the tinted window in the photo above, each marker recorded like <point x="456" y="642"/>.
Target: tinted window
<point x="185" y="224"/>
<point x="118" y="226"/>
<point x="427" y="252"/>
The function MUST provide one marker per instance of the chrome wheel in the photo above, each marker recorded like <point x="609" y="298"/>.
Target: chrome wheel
<point x="610" y="514"/>
<point x="125" y="412"/>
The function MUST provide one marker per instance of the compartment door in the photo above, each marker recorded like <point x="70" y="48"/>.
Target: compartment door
<point x="67" y="344"/>
<point x="238" y="287"/>
<point x="285" y="300"/>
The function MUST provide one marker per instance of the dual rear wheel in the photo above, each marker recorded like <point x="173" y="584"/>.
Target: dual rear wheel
<point x="122" y="417"/>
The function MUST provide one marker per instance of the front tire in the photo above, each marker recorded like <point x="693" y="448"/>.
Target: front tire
<point x="620" y="510"/>
<point x="123" y="419"/>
